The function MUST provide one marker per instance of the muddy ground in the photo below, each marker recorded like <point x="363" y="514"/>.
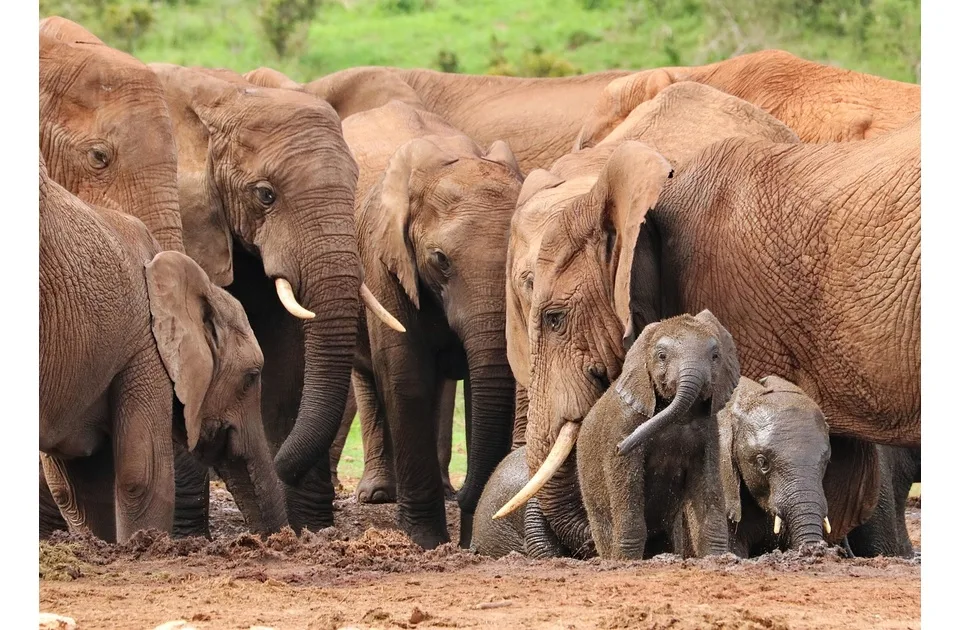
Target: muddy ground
<point x="363" y="574"/>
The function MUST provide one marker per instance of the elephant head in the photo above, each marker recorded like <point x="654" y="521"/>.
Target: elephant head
<point x="105" y="130"/>
<point x="437" y="222"/>
<point x="579" y="309"/>
<point x="684" y="360"/>
<point x="275" y="163"/>
<point x="214" y="361"/>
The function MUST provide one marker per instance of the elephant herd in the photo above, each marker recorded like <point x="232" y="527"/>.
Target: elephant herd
<point x="684" y="302"/>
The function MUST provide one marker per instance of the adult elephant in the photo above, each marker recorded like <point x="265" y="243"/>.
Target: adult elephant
<point x="433" y="215"/>
<point x="820" y="103"/>
<point x="779" y="240"/>
<point x="542" y="117"/>
<point x="120" y="319"/>
<point x="275" y="162"/>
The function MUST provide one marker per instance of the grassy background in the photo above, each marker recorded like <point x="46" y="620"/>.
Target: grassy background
<point x="526" y="37"/>
<point x="521" y="37"/>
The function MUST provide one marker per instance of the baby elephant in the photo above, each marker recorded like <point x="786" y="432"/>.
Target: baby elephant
<point x="659" y="489"/>
<point x="784" y="476"/>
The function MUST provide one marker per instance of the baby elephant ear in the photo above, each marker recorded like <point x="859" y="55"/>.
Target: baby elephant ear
<point x="184" y="329"/>
<point x="729" y="471"/>
<point x="729" y="374"/>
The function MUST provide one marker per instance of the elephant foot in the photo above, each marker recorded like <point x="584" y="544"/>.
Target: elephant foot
<point x="376" y="487"/>
<point x="426" y="525"/>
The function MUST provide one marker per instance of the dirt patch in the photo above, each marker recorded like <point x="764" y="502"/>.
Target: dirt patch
<point x="364" y="574"/>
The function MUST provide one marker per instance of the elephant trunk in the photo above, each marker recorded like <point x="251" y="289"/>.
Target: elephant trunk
<point x="255" y="487"/>
<point x="491" y="390"/>
<point x="329" y="287"/>
<point x="151" y="195"/>
<point x="805" y="516"/>
<point x="689" y="385"/>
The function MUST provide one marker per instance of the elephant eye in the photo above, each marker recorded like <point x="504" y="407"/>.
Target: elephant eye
<point x="442" y="261"/>
<point x="763" y="464"/>
<point x="661" y="355"/>
<point x="265" y="194"/>
<point x="98" y="158"/>
<point x="716" y="355"/>
<point x="554" y="320"/>
<point x="250" y="379"/>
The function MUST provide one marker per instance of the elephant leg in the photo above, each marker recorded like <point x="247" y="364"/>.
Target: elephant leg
<point x="191" y="515"/>
<point x="443" y="422"/>
<point x="50" y="517"/>
<point x="703" y="511"/>
<point x="539" y="539"/>
<point x="520" y="418"/>
<point x="339" y="442"/>
<point x="83" y="490"/>
<point x="378" y="483"/>
<point x="628" y="525"/>
<point x="141" y="400"/>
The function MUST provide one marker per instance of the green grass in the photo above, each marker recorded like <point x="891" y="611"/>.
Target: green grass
<point x="523" y="36"/>
<point x="351" y="461"/>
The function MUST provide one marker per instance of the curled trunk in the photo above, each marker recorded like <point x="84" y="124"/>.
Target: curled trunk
<point x="690" y="384"/>
<point x="805" y="519"/>
<point x="255" y="487"/>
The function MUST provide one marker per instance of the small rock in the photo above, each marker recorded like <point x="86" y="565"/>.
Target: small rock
<point x="418" y="615"/>
<point x="176" y="624"/>
<point x="274" y="582"/>
<point x="50" y="621"/>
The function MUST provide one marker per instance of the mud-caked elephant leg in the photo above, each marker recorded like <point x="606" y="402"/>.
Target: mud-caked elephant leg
<point x="378" y="483"/>
<point x="192" y="496"/>
<point x="83" y="491"/>
<point x="141" y="401"/>
<point x="540" y="541"/>
<point x="443" y="421"/>
<point x="50" y="518"/>
<point x="339" y="442"/>
<point x="706" y="531"/>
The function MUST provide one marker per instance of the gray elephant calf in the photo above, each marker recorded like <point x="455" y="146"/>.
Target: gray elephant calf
<point x="525" y="530"/>
<point x="658" y="489"/>
<point x="785" y="477"/>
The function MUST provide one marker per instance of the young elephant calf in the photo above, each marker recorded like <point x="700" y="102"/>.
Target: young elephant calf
<point x="648" y="452"/>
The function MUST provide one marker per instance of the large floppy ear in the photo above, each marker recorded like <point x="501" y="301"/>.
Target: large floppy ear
<point x="851" y="484"/>
<point x="727" y="422"/>
<point x="635" y="383"/>
<point x="185" y="331"/>
<point x="518" y="346"/>
<point x="388" y="227"/>
<point x="616" y="102"/>
<point x="627" y="188"/>
<point x="729" y="373"/>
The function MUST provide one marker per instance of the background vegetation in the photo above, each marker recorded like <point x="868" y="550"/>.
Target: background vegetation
<point x="309" y="38"/>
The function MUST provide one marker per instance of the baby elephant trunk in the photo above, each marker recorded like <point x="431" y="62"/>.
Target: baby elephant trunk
<point x="806" y="519"/>
<point x="690" y="384"/>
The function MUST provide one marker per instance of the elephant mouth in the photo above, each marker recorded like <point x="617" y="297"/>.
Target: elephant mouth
<point x="214" y="445"/>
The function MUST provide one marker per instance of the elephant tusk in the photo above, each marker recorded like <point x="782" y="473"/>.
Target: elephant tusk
<point x="289" y="300"/>
<point x="566" y="440"/>
<point x="826" y="524"/>
<point x="378" y="309"/>
<point x="777" y="523"/>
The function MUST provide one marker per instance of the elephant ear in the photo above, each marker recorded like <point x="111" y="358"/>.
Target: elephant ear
<point x="635" y="384"/>
<point x="727" y="423"/>
<point x="538" y="179"/>
<point x="627" y="188"/>
<point x="729" y="373"/>
<point x="616" y="102"/>
<point x="851" y="484"/>
<point x="501" y="153"/>
<point x="388" y="227"/>
<point x="184" y="327"/>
